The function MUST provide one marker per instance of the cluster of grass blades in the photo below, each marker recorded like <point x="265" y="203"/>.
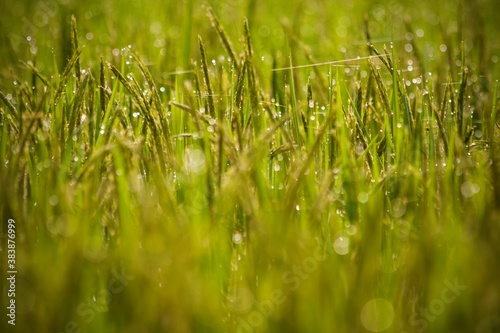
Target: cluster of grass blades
<point x="345" y="196"/>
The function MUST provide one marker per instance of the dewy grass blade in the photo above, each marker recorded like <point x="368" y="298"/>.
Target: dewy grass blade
<point x="91" y="92"/>
<point x="387" y="119"/>
<point x="10" y="106"/>
<point x="461" y="98"/>
<point x="142" y="104"/>
<point x="292" y="109"/>
<point x="206" y="80"/>
<point x="132" y="90"/>
<point x="224" y="38"/>
<point x="494" y="111"/>
<point x="36" y="72"/>
<point x="237" y="116"/>
<point x="77" y="104"/>
<point x="252" y="83"/>
<point x="102" y="101"/>
<point x="65" y="76"/>
<point x="4" y="142"/>
<point x="298" y="175"/>
<point x="154" y="90"/>
<point x="74" y="47"/>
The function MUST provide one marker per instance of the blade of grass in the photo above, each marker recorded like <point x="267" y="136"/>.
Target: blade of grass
<point x="224" y="38"/>
<point x="74" y="47"/>
<point x="65" y="76"/>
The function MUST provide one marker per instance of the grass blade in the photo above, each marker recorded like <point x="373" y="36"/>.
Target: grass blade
<point x="224" y="38"/>
<point x="206" y="80"/>
<point x="74" y="47"/>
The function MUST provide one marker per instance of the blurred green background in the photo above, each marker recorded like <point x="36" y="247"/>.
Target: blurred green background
<point x="166" y="31"/>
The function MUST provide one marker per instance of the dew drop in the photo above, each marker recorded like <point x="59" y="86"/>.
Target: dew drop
<point x="377" y="315"/>
<point x="363" y="197"/>
<point x="398" y="208"/>
<point x="194" y="160"/>
<point x="237" y="238"/>
<point x="53" y="200"/>
<point x="341" y="245"/>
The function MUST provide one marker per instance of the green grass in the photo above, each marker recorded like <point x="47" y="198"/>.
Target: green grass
<point x="251" y="167"/>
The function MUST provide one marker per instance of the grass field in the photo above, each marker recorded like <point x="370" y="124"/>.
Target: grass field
<point x="250" y="166"/>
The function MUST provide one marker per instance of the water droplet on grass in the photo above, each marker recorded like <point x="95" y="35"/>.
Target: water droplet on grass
<point x="240" y="299"/>
<point x="237" y="238"/>
<point x="468" y="189"/>
<point x="194" y="160"/>
<point x="377" y="315"/>
<point x="363" y="197"/>
<point x="402" y="228"/>
<point x="53" y="200"/>
<point x="341" y="245"/>
<point x="360" y="149"/>
<point x="155" y="27"/>
<point x="398" y="208"/>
